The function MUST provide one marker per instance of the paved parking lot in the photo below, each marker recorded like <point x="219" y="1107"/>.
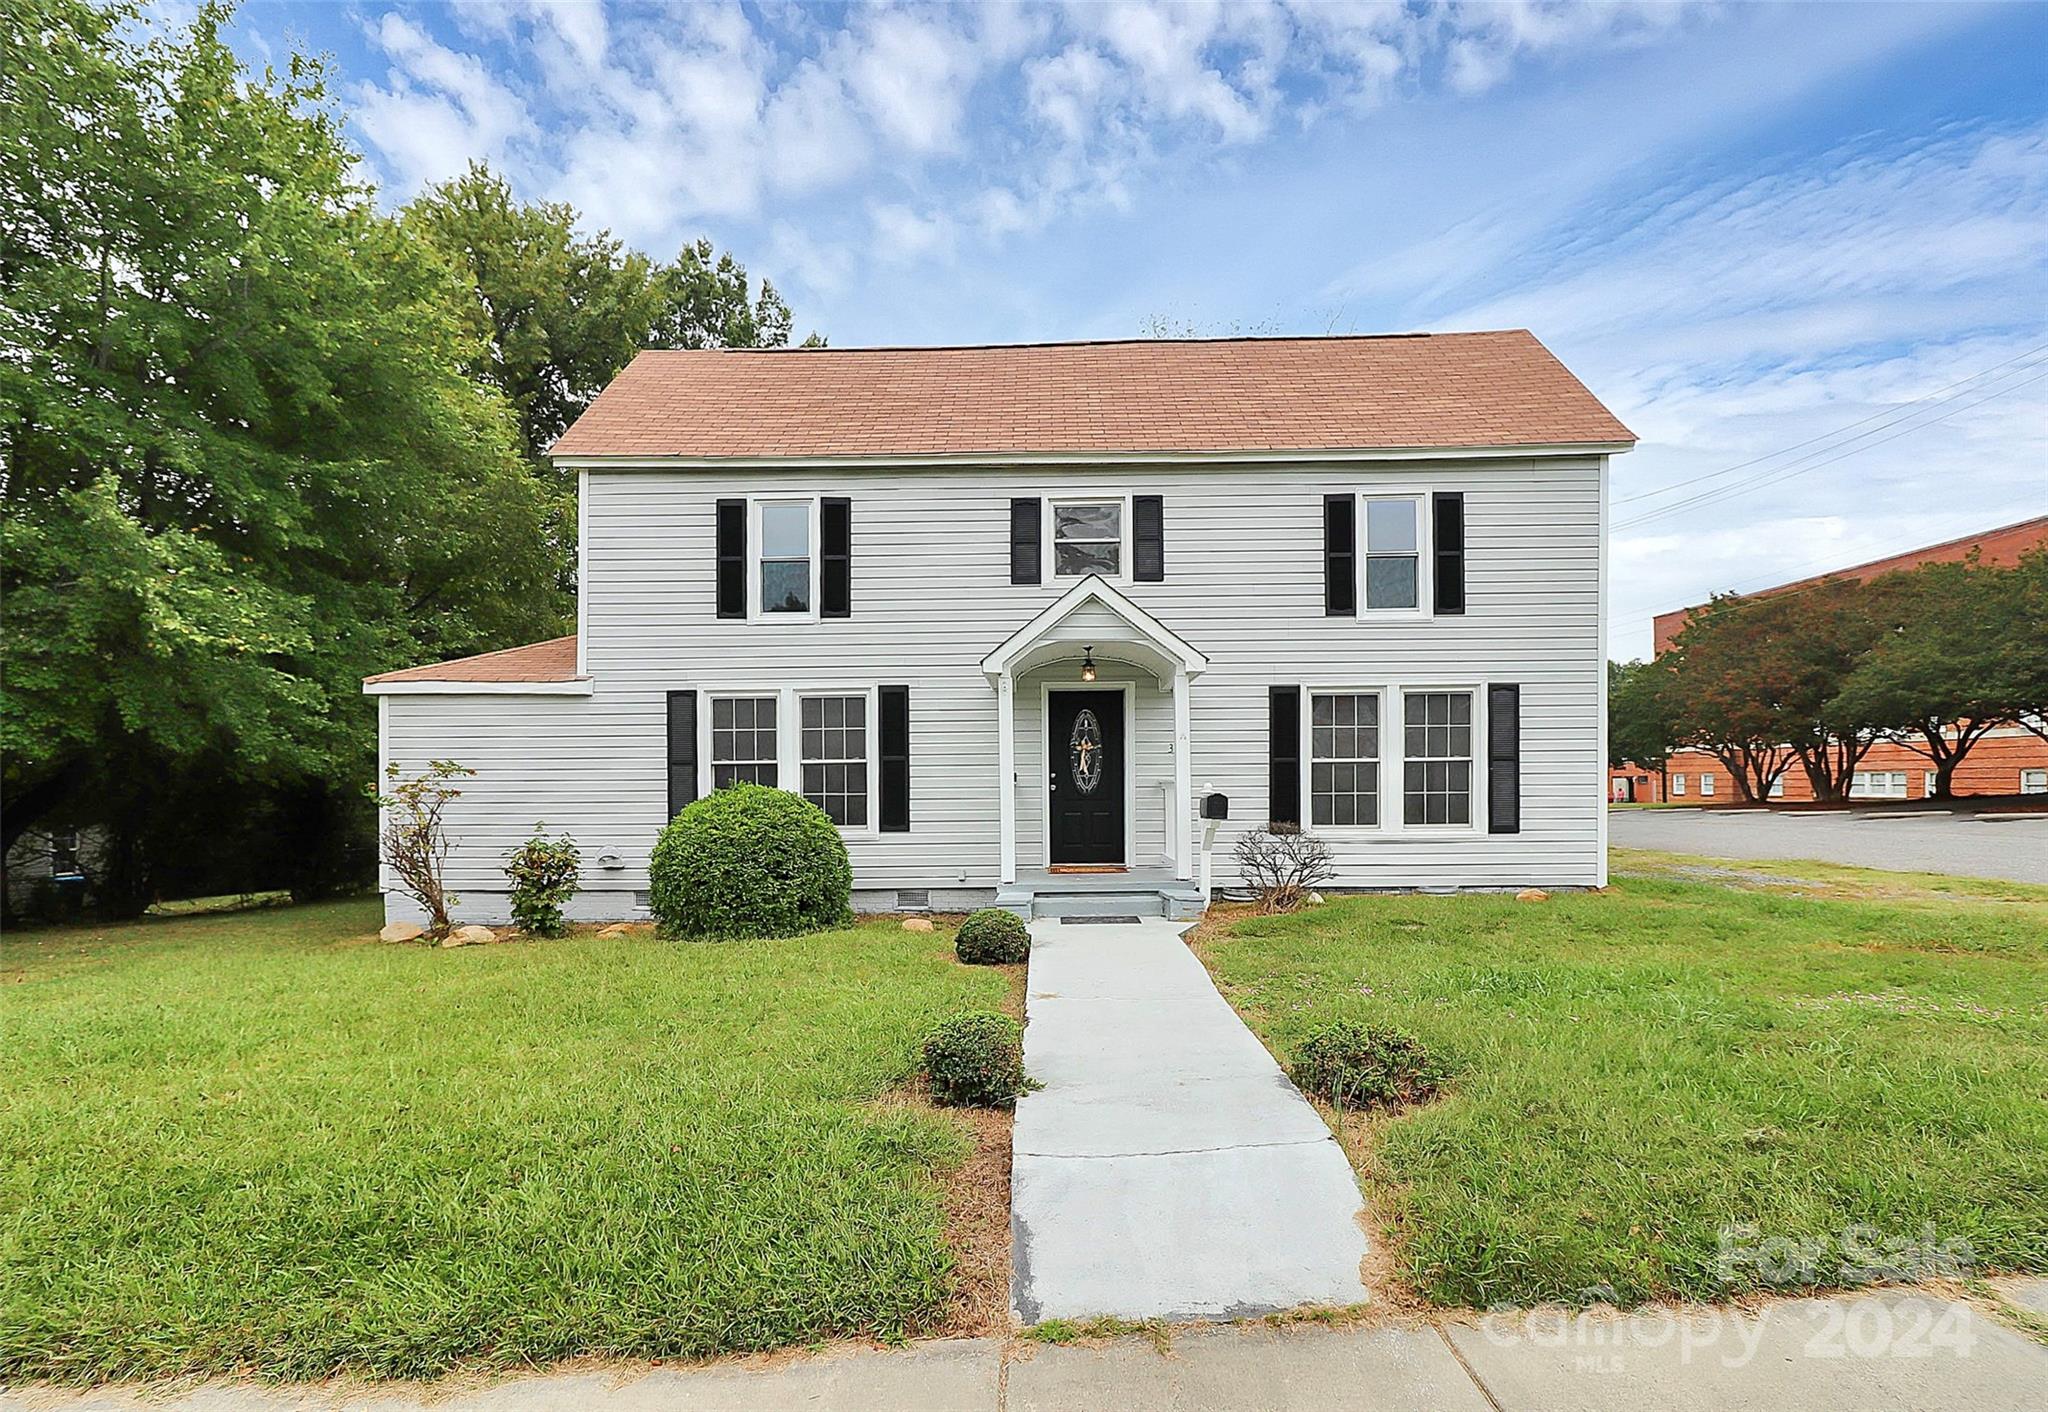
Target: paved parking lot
<point x="1986" y="845"/>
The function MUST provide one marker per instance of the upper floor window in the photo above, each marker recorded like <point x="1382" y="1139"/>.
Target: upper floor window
<point x="786" y="562"/>
<point x="1087" y="538"/>
<point x="1393" y="553"/>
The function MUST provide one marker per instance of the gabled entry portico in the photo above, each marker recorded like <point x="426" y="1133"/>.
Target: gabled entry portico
<point x="1096" y="735"/>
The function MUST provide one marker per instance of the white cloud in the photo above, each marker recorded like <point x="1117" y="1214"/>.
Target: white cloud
<point x="905" y="236"/>
<point x="441" y="109"/>
<point x="912" y="77"/>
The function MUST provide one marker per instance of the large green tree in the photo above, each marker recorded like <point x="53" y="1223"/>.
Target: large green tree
<point x="243" y="465"/>
<point x="558" y="312"/>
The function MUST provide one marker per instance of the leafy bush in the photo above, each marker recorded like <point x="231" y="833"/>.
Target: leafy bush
<point x="993" y="937"/>
<point x="1283" y="865"/>
<point x="976" y="1060"/>
<point x="1356" y="1065"/>
<point x="545" y="873"/>
<point x="747" y="860"/>
<point x="415" y="846"/>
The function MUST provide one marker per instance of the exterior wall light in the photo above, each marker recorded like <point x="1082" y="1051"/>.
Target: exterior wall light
<point x="1088" y="664"/>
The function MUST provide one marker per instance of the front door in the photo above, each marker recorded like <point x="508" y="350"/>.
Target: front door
<point x="1085" y="759"/>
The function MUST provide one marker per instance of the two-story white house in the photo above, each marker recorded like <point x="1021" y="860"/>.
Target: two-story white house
<point x="1012" y="615"/>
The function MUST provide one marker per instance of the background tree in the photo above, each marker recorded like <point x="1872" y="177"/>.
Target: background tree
<point x="2027" y="641"/>
<point x="558" y="313"/>
<point x="1945" y="670"/>
<point x="242" y="463"/>
<point x="1640" y="725"/>
<point x="1719" y="704"/>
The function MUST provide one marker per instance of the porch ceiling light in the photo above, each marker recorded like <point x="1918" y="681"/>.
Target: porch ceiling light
<point x="1088" y="664"/>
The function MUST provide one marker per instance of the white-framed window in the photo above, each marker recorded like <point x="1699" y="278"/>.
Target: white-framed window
<point x="1395" y="539"/>
<point x="1706" y="784"/>
<point x="1878" y="784"/>
<point x="1088" y="535"/>
<point x="1927" y="784"/>
<point x="782" y="567"/>
<point x="2034" y="781"/>
<point x="834" y="746"/>
<point x="1344" y="758"/>
<point x="1436" y="758"/>
<point x="1678" y="786"/>
<point x="1777" y="790"/>
<point x="744" y="740"/>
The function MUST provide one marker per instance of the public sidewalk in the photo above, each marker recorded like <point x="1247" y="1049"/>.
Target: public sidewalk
<point x="1885" y="1351"/>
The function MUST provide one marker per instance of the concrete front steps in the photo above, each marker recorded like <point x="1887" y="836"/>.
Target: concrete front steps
<point x="1137" y="893"/>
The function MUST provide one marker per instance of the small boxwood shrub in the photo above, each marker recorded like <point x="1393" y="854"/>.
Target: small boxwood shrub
<point x="1357" y="1065"/>
<point x="747" y="860"/>
<point x="993" y="937"/>
<point x="976" y="1060"/>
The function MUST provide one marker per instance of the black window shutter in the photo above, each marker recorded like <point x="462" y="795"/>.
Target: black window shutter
<point x="1283" y="785"/>
<point x="1450" y="551"/>
<point x="1503" y="759"/>
<point x="1148" y="538"/>
<point x="1025" y="553"/>
<point x="835" y="559"/>
<point x="893" y="810"/>
<point x="732" y="558"/>
<point x="1340" y="556"/>
<point x="682" y="750"/>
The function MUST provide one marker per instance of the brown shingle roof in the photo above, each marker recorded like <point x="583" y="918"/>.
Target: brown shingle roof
<point x="553" y="660"/>
<point x="1252" y="394"/>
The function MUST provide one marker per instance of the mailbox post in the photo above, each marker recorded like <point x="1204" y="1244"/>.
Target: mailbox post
<point x="1215" y="809"/>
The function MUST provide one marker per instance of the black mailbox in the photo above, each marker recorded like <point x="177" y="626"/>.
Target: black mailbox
<point x="1215" y="806"/>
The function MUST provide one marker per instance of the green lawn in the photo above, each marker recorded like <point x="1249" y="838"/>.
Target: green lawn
<point x="1638" y="1069"/>
<point x="255" y="1142"/>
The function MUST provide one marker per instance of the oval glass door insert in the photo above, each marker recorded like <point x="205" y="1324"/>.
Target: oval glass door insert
<point x="1085" y="751"/>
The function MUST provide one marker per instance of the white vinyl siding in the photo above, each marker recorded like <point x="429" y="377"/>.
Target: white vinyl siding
<point x="932" y="595"/>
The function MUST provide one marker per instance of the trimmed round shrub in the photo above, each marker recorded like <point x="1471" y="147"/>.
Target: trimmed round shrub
<point x="993" y="937"/>
<point x="976" y="1060"/>
<point x="1356" y="1065"/>
<point x="747" y="860"/>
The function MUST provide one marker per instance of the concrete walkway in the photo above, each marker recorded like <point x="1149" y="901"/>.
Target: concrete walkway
<point x="1890" y="1350"/>
<point x="1167" y="1169"/>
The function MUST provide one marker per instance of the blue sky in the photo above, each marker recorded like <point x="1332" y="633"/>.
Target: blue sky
<point x="1745" y="227"/>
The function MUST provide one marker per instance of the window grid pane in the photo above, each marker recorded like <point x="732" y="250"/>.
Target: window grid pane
<point x="1344" y="758"/>
<point x="743" y="740"/>
<point x="1393" y="554"/>
<point x="1436" y="774"/>
<point x="835" y="757"/>
<point x="1087" y="538"/>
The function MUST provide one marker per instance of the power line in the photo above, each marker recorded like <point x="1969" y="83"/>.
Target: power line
<point x="1787" y="471"/>
<point x="1827" y="435"/>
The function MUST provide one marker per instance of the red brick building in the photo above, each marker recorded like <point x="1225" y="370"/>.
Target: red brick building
<point x="2007" y="761"/>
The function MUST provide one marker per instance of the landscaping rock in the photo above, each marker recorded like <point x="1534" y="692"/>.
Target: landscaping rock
<point x="627" y="929"/>
<point x="469" y="936"/>
<point x="402" y="931"/>
<point x="917" y="924"/>
<point x="1532" y="894"/>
